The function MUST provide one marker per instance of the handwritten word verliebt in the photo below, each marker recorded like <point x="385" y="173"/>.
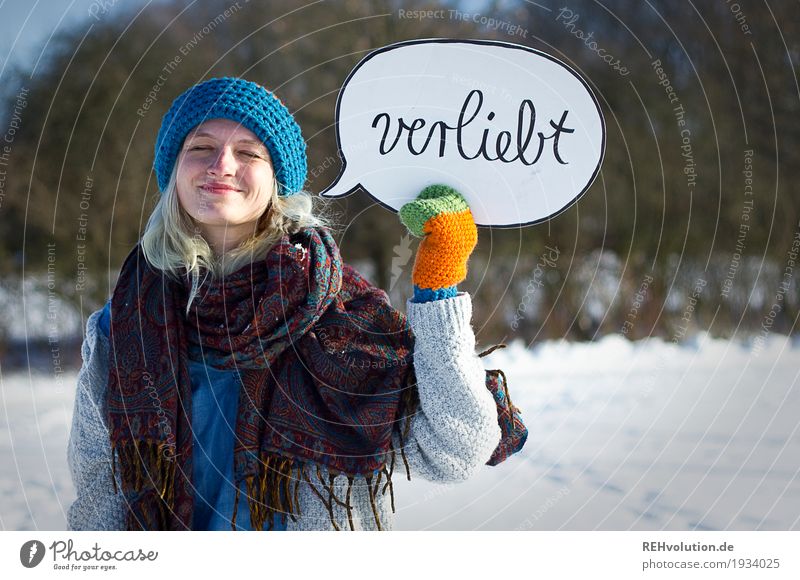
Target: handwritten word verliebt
<point x="526" y="121"/>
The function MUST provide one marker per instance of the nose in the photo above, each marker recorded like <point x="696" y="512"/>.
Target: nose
<point x="223" y="163"/>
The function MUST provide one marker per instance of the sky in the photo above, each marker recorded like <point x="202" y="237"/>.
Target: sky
<point x="27" y="25"/>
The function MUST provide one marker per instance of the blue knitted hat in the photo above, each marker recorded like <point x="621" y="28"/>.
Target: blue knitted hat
<point x="244" y="102"/>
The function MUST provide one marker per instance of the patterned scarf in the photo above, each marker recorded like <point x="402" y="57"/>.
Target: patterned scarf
<point x="326" y="371"/>
<point x="324" y="364"/>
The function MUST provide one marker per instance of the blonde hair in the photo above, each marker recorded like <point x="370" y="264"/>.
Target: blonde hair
<point x="171" y="242"/>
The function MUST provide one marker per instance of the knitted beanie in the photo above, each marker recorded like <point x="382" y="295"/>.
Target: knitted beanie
<point x="247" y="103"/>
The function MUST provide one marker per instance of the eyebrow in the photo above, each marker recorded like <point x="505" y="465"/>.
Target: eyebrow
<point x="204" y="134"/>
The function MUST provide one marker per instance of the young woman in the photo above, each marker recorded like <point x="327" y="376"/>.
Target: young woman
<point x="242" y="376"/>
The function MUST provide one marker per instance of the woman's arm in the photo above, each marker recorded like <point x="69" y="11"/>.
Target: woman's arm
<point x="455" y="430"/>
<point x="97" y="506"/>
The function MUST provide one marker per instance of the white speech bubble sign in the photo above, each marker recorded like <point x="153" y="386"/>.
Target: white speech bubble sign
<point x="519" y="133"/>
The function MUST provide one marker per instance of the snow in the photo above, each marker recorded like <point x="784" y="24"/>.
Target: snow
<point x="645" y="436"/>
<point x="34" y="308"/>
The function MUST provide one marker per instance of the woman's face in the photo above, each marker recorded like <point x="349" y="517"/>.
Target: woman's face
<point x="225" y="180"/>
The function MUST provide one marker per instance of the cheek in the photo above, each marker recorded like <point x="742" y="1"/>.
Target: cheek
<point x="185" y="170"/>
<point x="264" y="181"/>
<point x="184" y="180"/>
<point x="187" y="199"/>
<point x="182" y="190"/>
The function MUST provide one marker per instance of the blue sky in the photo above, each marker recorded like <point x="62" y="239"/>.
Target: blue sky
<point x="26" y="25"/>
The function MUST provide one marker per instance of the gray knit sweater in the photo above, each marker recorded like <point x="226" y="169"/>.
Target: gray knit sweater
<point x="452" y="436"/>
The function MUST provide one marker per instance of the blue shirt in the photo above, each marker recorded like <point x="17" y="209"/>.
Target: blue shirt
<point x="215" y="398"/>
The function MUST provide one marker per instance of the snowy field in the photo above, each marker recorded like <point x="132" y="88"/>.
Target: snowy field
<point x="640" y="436"/>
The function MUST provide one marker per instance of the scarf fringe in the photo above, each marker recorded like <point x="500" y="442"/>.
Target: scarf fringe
<point x="509" y="405"/>
<point x="145" y="469"/>
<point x="270" y="492"/>
<point x="491" y="349"/>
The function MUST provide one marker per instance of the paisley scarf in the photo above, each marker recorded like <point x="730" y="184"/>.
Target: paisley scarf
<point x="326" y="370"/>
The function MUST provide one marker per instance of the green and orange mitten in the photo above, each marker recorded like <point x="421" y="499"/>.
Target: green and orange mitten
<point x="441" y="215"/>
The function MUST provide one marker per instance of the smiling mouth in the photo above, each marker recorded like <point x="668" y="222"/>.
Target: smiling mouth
<point x="219" y="189"/>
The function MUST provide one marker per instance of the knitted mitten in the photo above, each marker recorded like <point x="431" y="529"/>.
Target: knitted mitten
<point x="442" y="216"/>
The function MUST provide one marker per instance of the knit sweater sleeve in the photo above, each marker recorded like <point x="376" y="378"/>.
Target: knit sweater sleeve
<point x="455" y="430"/>
<point x="97" y="506"/>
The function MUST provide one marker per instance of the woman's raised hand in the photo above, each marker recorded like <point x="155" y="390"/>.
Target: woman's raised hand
<point x="441" y="215"/>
